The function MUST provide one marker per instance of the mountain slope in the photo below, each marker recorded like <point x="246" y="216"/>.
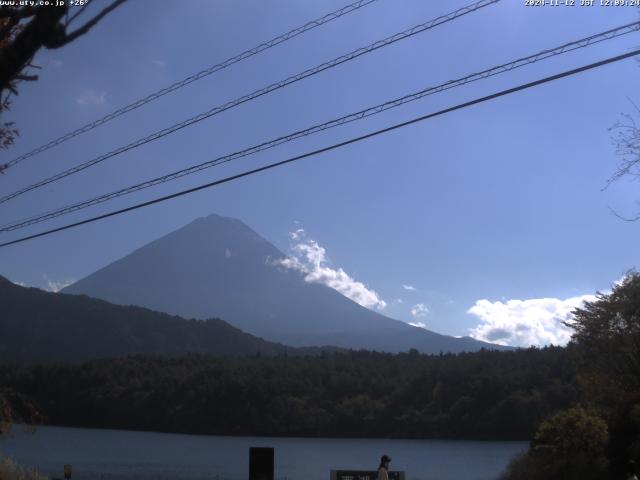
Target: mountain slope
<point x="218" y="267"/>
<point x="39" y="326"/>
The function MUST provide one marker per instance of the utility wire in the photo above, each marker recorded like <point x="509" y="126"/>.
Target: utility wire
<point x="334" y="146"/>
<point x="568" y="47"/>
<point x="258" y="93"/>
<point x="195" y="77"/>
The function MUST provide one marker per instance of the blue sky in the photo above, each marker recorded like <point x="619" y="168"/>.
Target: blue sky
<point x="494" y="215"/>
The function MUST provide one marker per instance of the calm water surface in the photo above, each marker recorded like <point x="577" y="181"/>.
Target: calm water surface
<point x="120" y="455"/>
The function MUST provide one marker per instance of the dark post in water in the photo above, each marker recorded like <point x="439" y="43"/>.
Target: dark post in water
<point x="260" y="463"/>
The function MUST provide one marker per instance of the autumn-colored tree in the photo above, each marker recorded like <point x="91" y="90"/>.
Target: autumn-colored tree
<point x="607" y="343"/>
<point x="16" y="408"/>
<point x="603" y="440"/>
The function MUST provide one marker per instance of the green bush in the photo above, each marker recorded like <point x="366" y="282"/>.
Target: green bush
<point x="569" y="445"/>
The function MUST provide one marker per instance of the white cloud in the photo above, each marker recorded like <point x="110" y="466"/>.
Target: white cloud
<point x="309" y="258"/>
<point x="53" y="286"/>
<point x="227" y="253"/>
<point x="92" y="98"/>
<point x="524" y="323"/>
<point x="56" y="63"/>
<point x="160" y="63"/>
<point x="418" y="324"/>
<point x="408" y="287"/>
<point x="399" y="300"/>
<point x="297" y="235"/>
<point x="419" y="310"/>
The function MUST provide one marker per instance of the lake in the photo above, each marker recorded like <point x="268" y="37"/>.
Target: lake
<point x="120" y="455"/>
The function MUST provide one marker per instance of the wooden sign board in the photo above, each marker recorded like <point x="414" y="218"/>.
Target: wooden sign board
<point x="363" y="475"/>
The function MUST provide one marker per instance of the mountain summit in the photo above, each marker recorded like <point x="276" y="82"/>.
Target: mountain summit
<point x="219" y="267"/>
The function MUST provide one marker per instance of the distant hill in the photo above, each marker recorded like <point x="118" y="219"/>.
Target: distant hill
<point x="219" y="267"/>
<point x="39" y="326"/>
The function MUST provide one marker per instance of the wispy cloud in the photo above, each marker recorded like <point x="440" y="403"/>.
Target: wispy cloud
<point x="309" y="258"/>
<point x="419" y="310"/>
<point x="56" y="286"/>
<point x="160" y="63"/>
<point x="524" y="323"/>
<point x="91" y="98"/>
<point x="418" y="324"/>
<point x="409" y="287"/>
<point x="297" y="235"/>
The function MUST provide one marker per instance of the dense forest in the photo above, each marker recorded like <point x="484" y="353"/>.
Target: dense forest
<point x="484" y="395"/>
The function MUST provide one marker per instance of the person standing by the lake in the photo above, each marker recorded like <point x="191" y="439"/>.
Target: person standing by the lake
<point x="383" y="469"/>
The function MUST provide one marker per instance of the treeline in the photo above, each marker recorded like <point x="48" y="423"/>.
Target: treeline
<point x="482" y="395"/>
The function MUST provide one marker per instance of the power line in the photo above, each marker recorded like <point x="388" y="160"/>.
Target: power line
<point x="567" y="47"/>
<point x="258" y="93"/>
<point x="197" y="76"/>
<point x="334" y="146"/>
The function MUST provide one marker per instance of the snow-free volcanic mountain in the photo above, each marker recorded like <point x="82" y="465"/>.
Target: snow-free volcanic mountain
<point x="219" y="267"/>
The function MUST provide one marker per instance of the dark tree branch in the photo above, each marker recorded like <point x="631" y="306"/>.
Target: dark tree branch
<point x="89" y="25"/>
<point x="626" y="141"/>
<point x="18" y="13"/>
<point x="77" y="14"/>
<point x="18" y="54"/>
<point x="27" y="78"/>
<point x="626" y="219"/>
<point x="8" y="27"/>
<point x="44" y="29"/>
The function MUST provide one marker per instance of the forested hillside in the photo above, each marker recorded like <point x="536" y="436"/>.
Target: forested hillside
<point x="484" y="395"/>
<point x="38" y="326"/>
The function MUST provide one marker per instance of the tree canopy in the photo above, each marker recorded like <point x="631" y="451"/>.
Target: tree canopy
<point x="600" y="437"/>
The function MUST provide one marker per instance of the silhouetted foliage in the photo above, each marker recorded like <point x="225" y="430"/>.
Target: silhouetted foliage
<point x="607" y="342"/>
<point x="16" y="408"/>
<point x="603" y="440"/>
<point x="25" y="29"/>
<point x="607" y="337"/>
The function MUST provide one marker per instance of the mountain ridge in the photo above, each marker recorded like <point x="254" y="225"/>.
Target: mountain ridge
<point x="218" y="266"/>
<point x="41" y="326"/>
